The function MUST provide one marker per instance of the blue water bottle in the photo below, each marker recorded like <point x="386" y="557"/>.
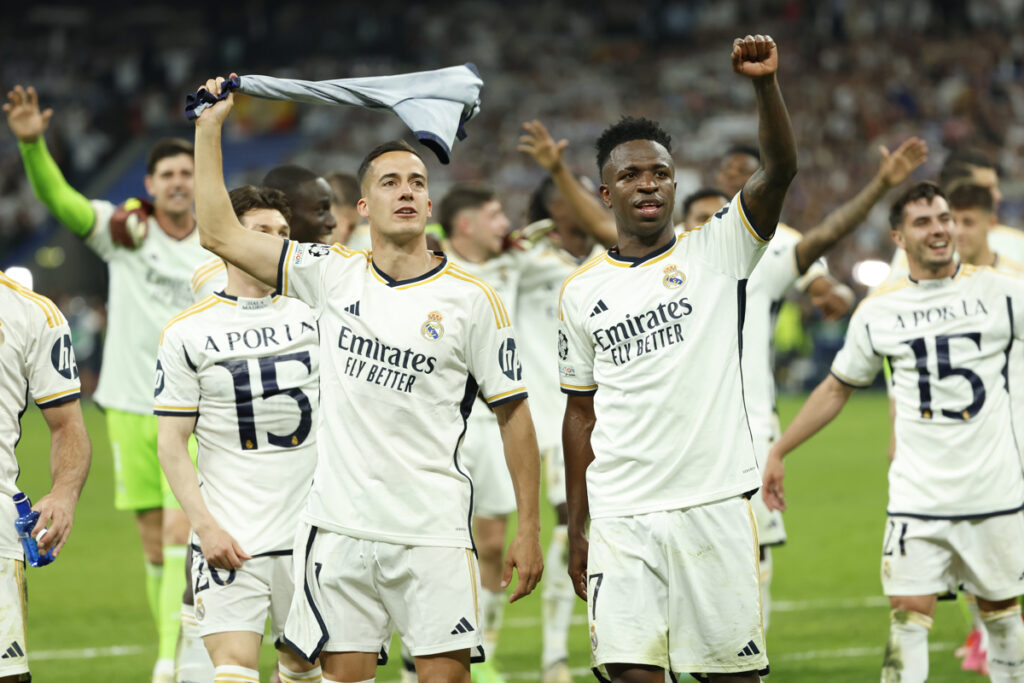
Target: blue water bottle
<point x="24" y="525"/>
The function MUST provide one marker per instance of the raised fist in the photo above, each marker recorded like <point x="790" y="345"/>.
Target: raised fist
<point x="755" y="56"/>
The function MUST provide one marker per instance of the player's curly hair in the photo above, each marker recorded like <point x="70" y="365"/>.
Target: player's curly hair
<point x="249" y="198"/>
<point x="924" y="190"/>
<point x="629" y="128"/>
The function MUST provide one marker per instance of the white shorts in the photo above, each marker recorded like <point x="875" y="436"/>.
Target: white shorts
<point x="770" y="528"/>
<point x="677" y="590"/>
<point x="13" y="660"/>
<point x="554" y="470"/>
<point x="483" y="455"/>
<point x="241" y="600"/>
<point x="356" y="592"/>
<point x="934" y="556"/>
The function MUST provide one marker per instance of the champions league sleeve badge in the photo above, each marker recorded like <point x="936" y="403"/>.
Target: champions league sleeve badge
<point x="674" y="278"/>
<point x="432" y="330"/>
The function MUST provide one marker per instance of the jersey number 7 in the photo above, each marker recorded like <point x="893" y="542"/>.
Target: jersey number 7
<point x="239" y="369"/>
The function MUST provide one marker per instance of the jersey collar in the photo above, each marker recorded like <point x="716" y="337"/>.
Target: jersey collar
<point x="941" y="282"/>
<point x="633" y="262"/>
<point x="246" y="303"/>
<point x="391" y="282"/>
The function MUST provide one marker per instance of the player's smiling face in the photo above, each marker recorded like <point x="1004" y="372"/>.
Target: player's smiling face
<point x="971" y="229"/>
<point x="395" y="195"/>
<point x="267" y="221"/>
<point x="639" y="187"/>
<point x="927" y="233"/>
<point x="171" y="184"/>
<point x="311" y="211"/>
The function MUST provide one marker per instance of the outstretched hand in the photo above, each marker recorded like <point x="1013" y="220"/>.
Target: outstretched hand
<point x="897" y="166"/>
<point x="755" y="56"/>
<point x="216" y="113"/>
<point x="23" y="115"/>
<point x="538" y="143"/>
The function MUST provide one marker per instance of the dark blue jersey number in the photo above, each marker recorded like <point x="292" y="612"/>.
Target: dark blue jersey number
<point x="239" y="370"/>
<point x="946" y="369"/>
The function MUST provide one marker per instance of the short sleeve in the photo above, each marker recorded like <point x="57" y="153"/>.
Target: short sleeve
<point x="575" y="350"/>
<point x="728" y="241"/>
<point x="491" y="353"/>
<point x="99" y="240"/>
<point x="857" y="364"/>
<point x="176" y="384"/>
<point x="52" y="371"/>
<point x="301" y="271"/>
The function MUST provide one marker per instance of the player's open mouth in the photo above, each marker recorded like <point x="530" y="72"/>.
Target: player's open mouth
<point x="939" y="246"/>
<point x="406" y="211"/>
<point x="649" y="209"/>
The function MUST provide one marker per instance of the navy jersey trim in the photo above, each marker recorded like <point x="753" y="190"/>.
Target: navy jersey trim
<point x="391" y="282"/>
<point x="757" y="229"/>
<point x="177" y="413"/>
<point x="579" y="392"/>
<point x="278" y="288"/>
<point x="848" y="383"/>
<point x="465" y="408"/>
<point x="57" y="401"/>
<point x="741" y="315"/>
<point x="955" y="273"/>
<point x="311" y="657"/>
<point x="635" y="261"/>
<point x="958" y="518"/>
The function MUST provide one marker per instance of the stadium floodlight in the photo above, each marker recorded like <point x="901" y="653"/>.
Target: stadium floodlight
<point x="870" y="272"/>
<point x="21" y="275"/>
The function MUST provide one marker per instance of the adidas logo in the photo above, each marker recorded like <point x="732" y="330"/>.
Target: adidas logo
<point x="601" y="307"/>
<point x="353" y="309"/>
<point x="462" y="627"/>
<point x="748" y="650"/>
<point x="13" y="651"/>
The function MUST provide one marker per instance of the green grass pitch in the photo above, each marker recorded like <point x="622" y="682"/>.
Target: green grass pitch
<point x="88" y="618"/>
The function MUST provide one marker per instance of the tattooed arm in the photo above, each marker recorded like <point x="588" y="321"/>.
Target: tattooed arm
<point x="757" y="58"/>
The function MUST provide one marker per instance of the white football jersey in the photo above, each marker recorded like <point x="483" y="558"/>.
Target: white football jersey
<point x="248" y="370"/>
<point x="36" y="359"/>
<point x="1008" y="241"/>
<point x="536" y="323"/>
<point x="148" y="286"/>
<point x="657" y="341"/>
<point x="208" y="278"/>
<point x="771" y="280"/>
<point x="401" y="364"/>
<point x="949" y="343"/>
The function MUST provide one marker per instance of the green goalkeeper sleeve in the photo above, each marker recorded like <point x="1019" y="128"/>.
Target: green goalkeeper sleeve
<point x="65" y="202"/>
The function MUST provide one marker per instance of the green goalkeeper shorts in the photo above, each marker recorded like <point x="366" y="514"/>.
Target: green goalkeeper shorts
<point x="139" y="483"/>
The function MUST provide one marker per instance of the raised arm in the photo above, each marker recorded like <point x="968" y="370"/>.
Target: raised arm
<point x="523" y="460"/>
<point x="219" y="548"/>
<point x="894" y="169"/>
<point x="821" y="407"/>
<point x="70" y="457"/>
<point x="28" y="124"/>
<point x="590" y="213"/>
<point x="577" y="425"/>
<point x="219" y="229"/>
<point x="757" y="58"/>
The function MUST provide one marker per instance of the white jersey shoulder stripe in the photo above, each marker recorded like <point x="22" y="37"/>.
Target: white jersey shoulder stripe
<point x="54" y="318"/>
<point x="205" y="272"/>
<point x="197" y="307"/>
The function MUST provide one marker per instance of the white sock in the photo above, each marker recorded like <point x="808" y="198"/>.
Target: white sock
<point x="1006" y="644"/>
<point x="314" y="675"/>
<point x="493" y="607"/>
<point x="191" y="660"/>
<point x="235" y="674"/>
<point x="906" y="653"/>
<point x="557" y="599"/>
<point x="765" y="581"/>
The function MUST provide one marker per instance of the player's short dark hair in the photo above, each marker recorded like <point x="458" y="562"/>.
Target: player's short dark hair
<point x="923" y="190"/>
<point x="381" y="150"/>
<point x="629" y="128"/>
<point x="460" y="198"/>
<point x="289" y="178"/>
<point x="971" y="196"/>
<point x="702" y="193"/>
<point x="250" y="197"/>
<point x="167" y="147"/>
<point x="745" y="150"/>
<point x="346" y="188"/>
<point x="960" y="164"/>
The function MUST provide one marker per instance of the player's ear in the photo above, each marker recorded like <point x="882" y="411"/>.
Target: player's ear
<point x="147" y="181"/>
<point x="362" y="208"/>
<point x="606" y="195"/>
<point x="430" y="208"/>
<point x="897" y="237"/>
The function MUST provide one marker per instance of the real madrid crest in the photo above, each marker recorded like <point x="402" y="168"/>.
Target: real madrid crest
<point x="200" y="609"/>
<point x="674" y="278"/>
<point x="432" y="330"/>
